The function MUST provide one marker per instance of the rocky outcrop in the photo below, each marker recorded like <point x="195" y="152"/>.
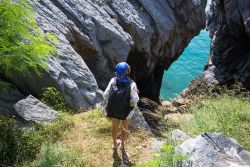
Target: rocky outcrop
<point x="154" y="115"/>
<point x="149" y="35"/>
<point x="33" y="110"/>
<point x="213" y="149"/>
<point x="9" y="95"/>
<point x="229" y="26"/>
<point x="138" y="122"/>
<point x="67" y="72"/>
<point x="160" y="31"/>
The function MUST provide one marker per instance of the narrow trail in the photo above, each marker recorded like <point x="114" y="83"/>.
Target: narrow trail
<point x="91" y="136"/>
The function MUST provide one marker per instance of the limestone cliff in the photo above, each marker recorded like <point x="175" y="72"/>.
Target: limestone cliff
<point x="229" y="26"/>
<point x="149" y="35"/>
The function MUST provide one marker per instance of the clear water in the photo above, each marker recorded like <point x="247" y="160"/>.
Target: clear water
<point x="188" y="67"/>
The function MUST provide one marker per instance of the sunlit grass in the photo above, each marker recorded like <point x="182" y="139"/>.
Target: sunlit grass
<point x="226" y="114"/>
<point x="89" y="143"/>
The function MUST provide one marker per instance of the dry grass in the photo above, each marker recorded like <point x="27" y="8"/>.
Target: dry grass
<point x="91" y="136"/>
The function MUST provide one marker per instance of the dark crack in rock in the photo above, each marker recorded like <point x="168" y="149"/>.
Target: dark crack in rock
<point x="229" y="26"/>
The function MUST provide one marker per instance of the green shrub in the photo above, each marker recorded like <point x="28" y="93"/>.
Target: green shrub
<point x="8" y="141"/>
<point x="55" y="130"/>
<point x="19" y="145"/>
<point x="54" y="99"/>
<point x="22" y="45"/>
<point x="57" y="155"/>
<point x="165" y="158"/>
<point x="16" y="144"/>
<point x="226" y="114"/>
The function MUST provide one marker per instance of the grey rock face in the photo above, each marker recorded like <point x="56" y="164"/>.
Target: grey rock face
<point x="138" y="121"/>
<point x="179" y="136"/>
<point x="157" y="145"/>
<point x="160" y="30"/>
<point x="9" y="95"/>
<point x="31" y="109"/>
<point x="213" y="149"/>
<point x="229" y="25"/>
<point x="149" y="35"/>
<point x="68" y="72"/>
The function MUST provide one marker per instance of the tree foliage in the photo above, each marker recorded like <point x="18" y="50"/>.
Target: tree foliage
<point x="22" y="45"/>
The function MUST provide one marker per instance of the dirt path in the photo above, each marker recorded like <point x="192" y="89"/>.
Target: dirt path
<point x="91" y="137"/>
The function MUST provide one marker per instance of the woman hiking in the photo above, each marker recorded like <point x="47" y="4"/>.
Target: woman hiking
<point x="121" y="97"/>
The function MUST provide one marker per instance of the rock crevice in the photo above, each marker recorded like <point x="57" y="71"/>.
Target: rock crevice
<point x="229" y="24"/>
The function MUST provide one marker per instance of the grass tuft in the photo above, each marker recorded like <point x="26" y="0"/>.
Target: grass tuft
<point x="57" y="155"/>
<point x="226" y="114"/>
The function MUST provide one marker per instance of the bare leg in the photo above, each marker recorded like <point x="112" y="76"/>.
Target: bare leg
<point x="125" y="157"/>
<point x="124" y="130"/>
<point x="115" y="126"/>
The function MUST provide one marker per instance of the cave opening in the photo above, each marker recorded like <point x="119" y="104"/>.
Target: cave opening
<point x="189" y="66"/>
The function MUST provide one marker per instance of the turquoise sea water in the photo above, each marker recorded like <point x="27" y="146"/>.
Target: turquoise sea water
<point x="188" y="67"/>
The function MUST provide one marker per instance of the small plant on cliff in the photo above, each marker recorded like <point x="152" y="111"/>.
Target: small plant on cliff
<point x="54" y="99"/>
<point x="22" y="45"/>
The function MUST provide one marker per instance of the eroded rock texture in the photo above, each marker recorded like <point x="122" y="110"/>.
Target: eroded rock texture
<point x="148" y="34"/>
<point x="212" y="149"/>
<point x="229" y="26"/>
<point x="33" y="110"/>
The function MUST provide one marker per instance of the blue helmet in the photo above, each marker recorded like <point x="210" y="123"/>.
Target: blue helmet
<point x="121" y="68"/>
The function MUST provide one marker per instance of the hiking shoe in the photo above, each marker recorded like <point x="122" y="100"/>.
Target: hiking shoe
<point x="125" y="157"/>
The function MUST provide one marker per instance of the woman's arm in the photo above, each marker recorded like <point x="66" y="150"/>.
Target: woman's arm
<point x="106" y="92"/>
<point x="134" y="97"/>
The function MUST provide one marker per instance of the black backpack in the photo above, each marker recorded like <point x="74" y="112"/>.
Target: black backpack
<point x="119" y="101"/>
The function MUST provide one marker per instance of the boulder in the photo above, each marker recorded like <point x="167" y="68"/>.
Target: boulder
<point x="138" y="121"/>
<point x="9" y="95"/>
<point x="213" y="149"/>
<point x="33" y="110"/>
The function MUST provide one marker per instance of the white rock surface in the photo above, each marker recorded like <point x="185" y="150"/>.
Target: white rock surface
<point x="213" y="149"/>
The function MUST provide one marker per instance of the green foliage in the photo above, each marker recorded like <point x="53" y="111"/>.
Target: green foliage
<point x="16" y="144"/>
<point x="55" y="130"/>
<point x="165" y="158"/>
<point x="22" y="45"/>
<point x="7" y="140"/>
<point x="57" y="155"/>
<point x="19" y="145"/>
<point x="226" y="114"/>
<point x="54" y="99"/>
